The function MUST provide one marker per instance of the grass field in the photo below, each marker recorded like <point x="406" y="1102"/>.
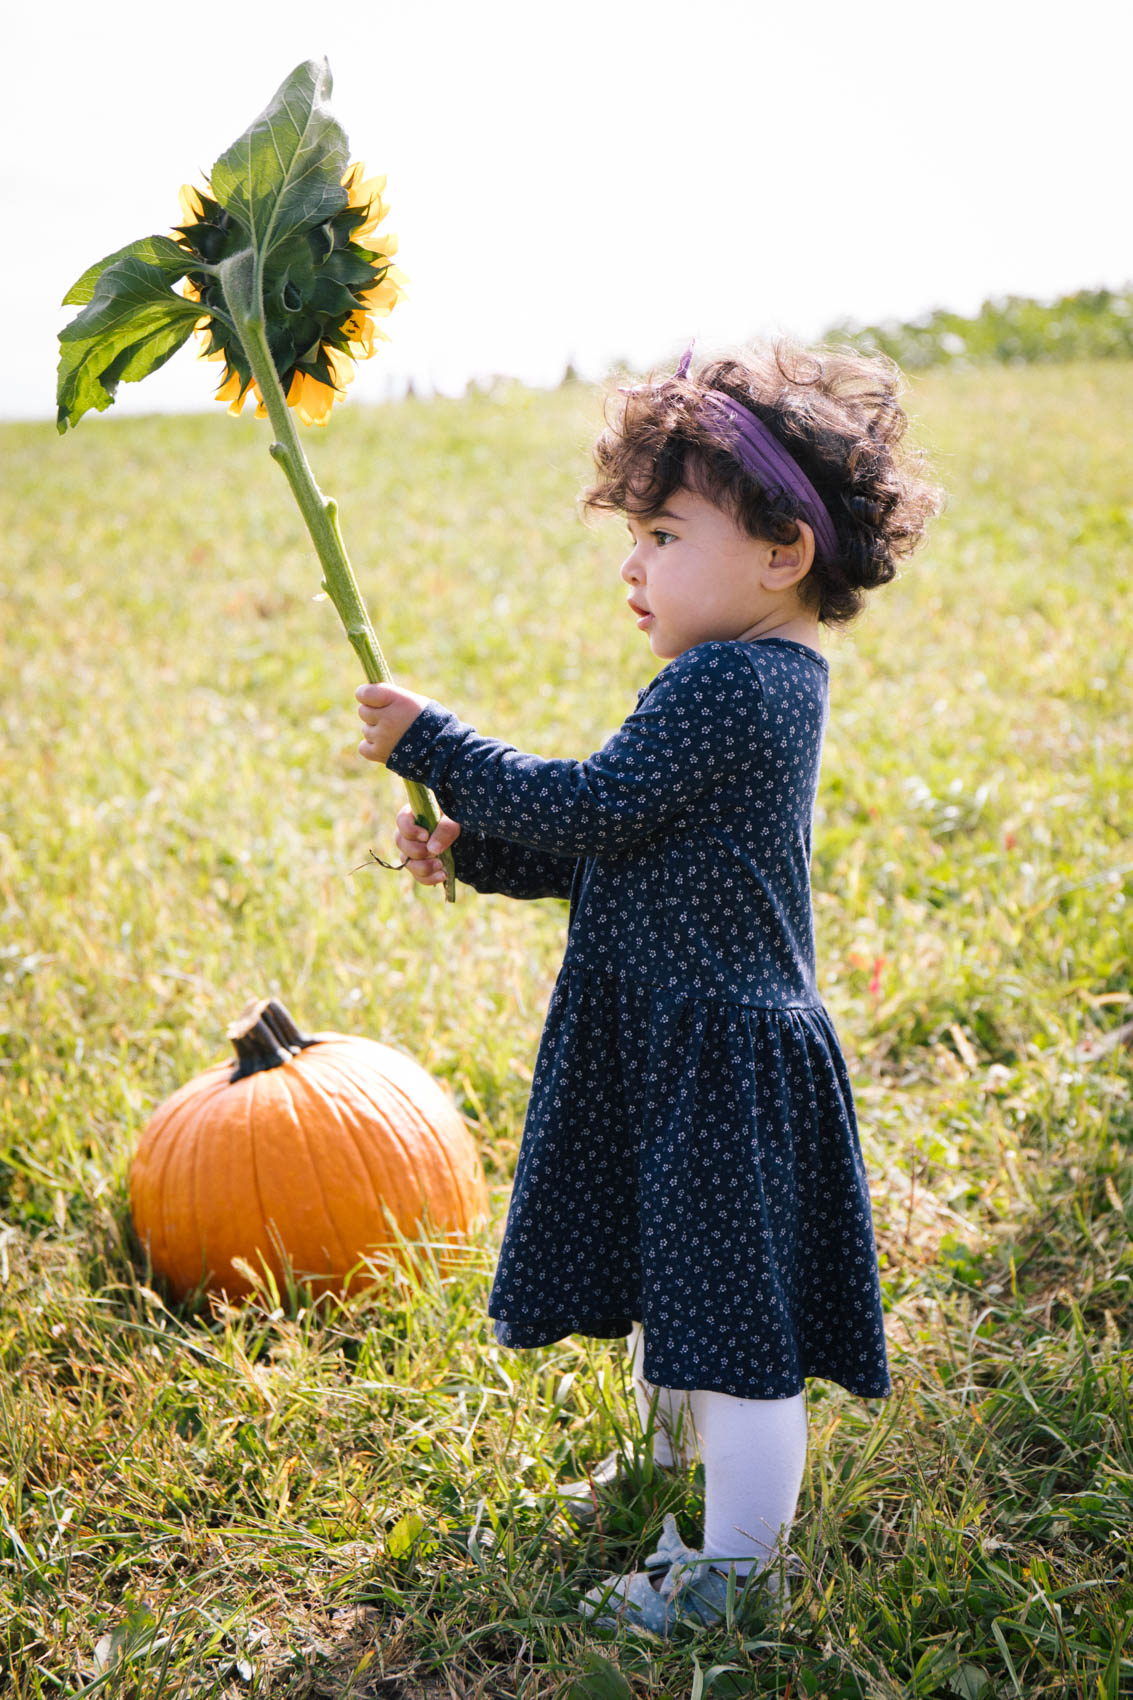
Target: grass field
<point x="212" y="1504"/>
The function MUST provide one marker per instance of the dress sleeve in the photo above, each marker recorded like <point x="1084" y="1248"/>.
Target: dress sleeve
<point x="514" y="870"/>
<point x="692" y="730"/>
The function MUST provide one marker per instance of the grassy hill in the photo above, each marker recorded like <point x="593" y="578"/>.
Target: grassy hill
<point x="184" y="824"/>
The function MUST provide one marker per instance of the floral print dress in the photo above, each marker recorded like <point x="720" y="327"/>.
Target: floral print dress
<point x="690" y="1157"/>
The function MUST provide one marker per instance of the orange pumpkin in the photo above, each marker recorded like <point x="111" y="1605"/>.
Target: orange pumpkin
<point x="298" y="1148"/>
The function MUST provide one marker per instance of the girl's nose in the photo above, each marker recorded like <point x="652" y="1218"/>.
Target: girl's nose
<point x="631" y="567"/>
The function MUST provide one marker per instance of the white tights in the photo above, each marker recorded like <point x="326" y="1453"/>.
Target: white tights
<point x="753" y="1451"/>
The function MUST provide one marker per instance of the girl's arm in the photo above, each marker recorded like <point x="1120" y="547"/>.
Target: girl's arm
<point x="486" y="864"/>
<point x="694" y="727"/>
<point x="493" y="865"/>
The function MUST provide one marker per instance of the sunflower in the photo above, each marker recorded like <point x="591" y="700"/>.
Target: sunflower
<point x="323" y="287"/>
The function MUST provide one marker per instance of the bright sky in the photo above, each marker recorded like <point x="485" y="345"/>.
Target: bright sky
<point x="598" y="180"/>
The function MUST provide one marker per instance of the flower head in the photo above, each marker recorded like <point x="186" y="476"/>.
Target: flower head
<point x="323" y="286"/>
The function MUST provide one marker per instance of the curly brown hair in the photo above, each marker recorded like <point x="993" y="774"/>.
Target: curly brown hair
<point x="836" y="413"/>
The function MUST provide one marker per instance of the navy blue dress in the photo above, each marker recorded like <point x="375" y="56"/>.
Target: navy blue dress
<point x="690" y="1158"/>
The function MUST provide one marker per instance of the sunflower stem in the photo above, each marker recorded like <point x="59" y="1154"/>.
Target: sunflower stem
<point x="240" y="283"/>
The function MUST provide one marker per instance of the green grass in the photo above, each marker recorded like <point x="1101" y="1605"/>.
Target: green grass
<point x="214" y="1500"/>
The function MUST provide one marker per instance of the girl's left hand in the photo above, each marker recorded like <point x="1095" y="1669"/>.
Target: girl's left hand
<point x="389" y="712"/>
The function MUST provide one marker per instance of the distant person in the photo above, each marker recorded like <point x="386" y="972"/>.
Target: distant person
<point x="690" y="1175"/>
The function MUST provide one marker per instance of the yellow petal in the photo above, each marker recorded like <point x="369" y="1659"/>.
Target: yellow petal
<point x="231" y="392"/>
<point x="382" y="299"/>
<point x="297" y="397"/>
<point x="365" y="235"/>
<point x="341" y="366"/>
<point x="360" y="188"/>
<point x="383" y="246"/>
<point x="360" y="330"/>
<point x="316" y="403"/>
<point x="295" y="391"/>
<point x="203" y="328"/>
<point x="192" y="211"/>
<point x="368" y="198"/>
<point x="370" y="194"/>
<point x="383" y="295"/>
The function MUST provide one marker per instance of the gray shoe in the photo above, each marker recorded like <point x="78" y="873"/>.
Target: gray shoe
<point x="692" y="1590"/>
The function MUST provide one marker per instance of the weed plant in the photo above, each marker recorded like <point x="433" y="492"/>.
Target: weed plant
<point x="349" y="1498"/>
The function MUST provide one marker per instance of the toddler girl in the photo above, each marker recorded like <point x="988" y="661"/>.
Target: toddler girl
<point x="690" y="1175"/>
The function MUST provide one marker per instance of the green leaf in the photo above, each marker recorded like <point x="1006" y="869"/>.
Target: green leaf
<point x="160" y="251"/>
<point x="406" y="1534"/>
<point x="600" y="1679"/>
<point x="971" y="1682"/>
<point x="285" y="172"/>
<point x="133" y="323"/>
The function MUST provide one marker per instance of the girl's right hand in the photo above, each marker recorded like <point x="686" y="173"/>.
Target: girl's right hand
<point x="421" y="851"/>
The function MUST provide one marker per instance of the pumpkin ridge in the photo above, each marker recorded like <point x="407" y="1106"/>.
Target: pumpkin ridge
<point x="342" y="1073"/>
<point x="250" y="1123"/>
<point x="305" y="1079"/>
<point x="195" y="1215"/>
<point x="459" y="1191"/>
<point x="151" y="1184"/>
<point x="228" y="1279"/>
<point x="310" y="1080"/>
<point x="438" y="1141"/>
<point x="391" y="1132"/>
<point x="392" y="1196"/>
<point x="187" y="1275"/>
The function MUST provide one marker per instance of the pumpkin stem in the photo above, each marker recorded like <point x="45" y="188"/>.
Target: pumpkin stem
<point x="264" y="1036"/>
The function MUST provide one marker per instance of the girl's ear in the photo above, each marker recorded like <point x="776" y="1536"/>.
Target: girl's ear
<point x="789" y="563"/>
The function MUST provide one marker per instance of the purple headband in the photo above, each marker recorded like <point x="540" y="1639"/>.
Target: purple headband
<point x="761" y="453"/>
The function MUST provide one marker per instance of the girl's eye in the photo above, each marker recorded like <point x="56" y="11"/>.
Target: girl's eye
<point x="664" y="537"/>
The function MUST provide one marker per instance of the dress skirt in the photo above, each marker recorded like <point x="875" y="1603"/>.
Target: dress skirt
<point x="693" y="1164"/>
